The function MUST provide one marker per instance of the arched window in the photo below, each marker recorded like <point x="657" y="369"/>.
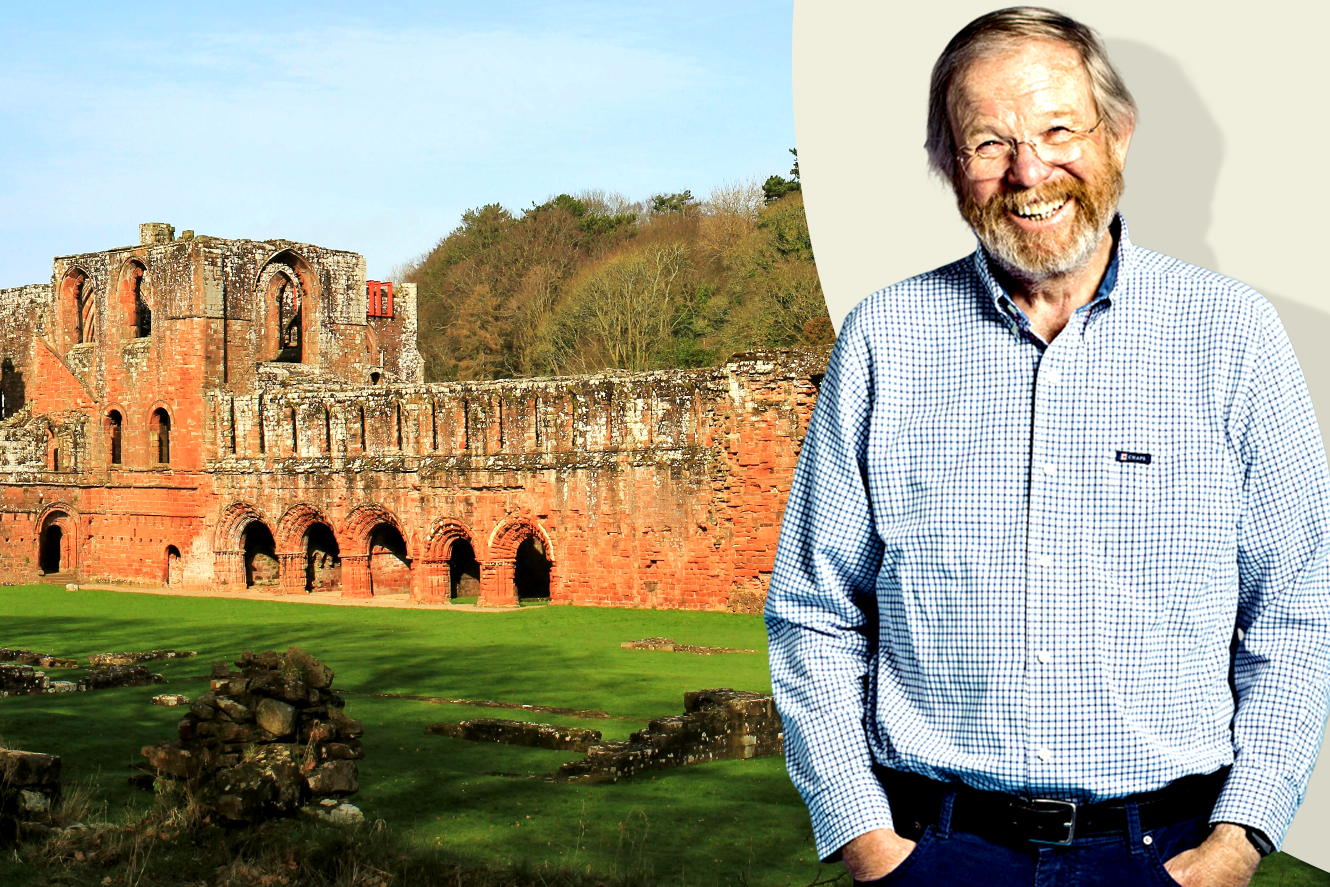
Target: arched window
<point x="327" y="431"/>
<point x="295" y="434"/>
<point x="142" y="313"/>
<point x="159" y="436"/>
<point x="114" y="428"/>
<point x="77" y="295"/>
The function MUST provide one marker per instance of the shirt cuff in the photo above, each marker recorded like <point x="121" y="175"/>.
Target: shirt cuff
<point x="1257" y="799"/>
<point x="842" y="812"/>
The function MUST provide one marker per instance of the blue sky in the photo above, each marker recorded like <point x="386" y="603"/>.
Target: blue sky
<point x="369" y="127"/>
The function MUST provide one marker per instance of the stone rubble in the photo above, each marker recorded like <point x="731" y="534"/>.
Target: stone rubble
<point x="119" y="676"/>
<point x="265" y="740"/>
<point x="524" y="733"/>
<point x="40" y="660"/>
<point x="29" y="788"/>
<point x="133" y="658"/>
<point x="170" y="699"/>
<point x="667" y="645"/>
<point x="717" y="724"/>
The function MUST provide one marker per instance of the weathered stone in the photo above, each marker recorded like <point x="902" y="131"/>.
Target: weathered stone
<point x="170" y="699"/>
<point x="100" y="659"/>
<point x="18" y="768"/>
<point x="40" y="660"/>
<point x="518" y="733"/>
<point x="277" y="687"/>
<point x="337" y="777"/>
<point x="343" y="751"/>
<point x="264" y="784"/>
<point x="22" y="680"/>
<point x="717" y="724"/>
<point x="276" y="717"/>
<point x="234" y="710"/>
<point x="111" y="676"/>
<point x="170" y="759"/>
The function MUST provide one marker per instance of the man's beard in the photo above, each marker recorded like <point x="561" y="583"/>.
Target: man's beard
<point x="1032" y="257"/>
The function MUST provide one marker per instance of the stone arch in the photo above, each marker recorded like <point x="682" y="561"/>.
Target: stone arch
<point x="286" y="295"/>
<point x="133" y="302"/>
<point x="160" y="425"/>
<point x="498" y="571"/>
<point x="301" y="550"/>
<point x="57" y="540"/>
<point x="113" y="422"/>
<point x="77" y="307"/>
<point x="360" y="533"/>
<point x="229" y="543"/>
<point x="445" y="561"/>
<point x="174" y="566"/>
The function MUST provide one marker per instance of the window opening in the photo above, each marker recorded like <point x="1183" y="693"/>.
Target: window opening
<point x="116" y="424"/>
<point x="159" y="436"/>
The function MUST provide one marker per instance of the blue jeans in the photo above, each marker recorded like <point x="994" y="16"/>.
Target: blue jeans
<point x="944" y="858"/>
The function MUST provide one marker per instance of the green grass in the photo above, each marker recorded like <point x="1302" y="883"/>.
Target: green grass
<point x="724" y="822"/>
<point x="730" y="822"/>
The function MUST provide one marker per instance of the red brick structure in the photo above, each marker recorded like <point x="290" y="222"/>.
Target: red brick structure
<point x="230" y="413"/>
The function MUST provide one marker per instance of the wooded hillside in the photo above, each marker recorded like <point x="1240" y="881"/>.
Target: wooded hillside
<point x="580" y="284"/>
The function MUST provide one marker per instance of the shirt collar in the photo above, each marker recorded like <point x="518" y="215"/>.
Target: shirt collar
<point x="1108" y="292"/>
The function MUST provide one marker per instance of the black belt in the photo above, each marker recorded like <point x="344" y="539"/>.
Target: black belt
<point x="916" y="802"/>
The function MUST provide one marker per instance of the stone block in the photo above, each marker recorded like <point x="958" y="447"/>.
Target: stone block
<point x="337" y="777"/>
<point x="276" y="717"/>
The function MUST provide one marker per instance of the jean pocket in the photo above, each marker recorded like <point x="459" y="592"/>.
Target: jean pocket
<point x="1157" y="864"/>
<point x="901" y="873"/>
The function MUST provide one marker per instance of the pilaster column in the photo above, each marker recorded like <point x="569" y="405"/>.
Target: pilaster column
<point x="290" y="573"/>
<point x="355" y="576"/>
<point x="497" y="588"/>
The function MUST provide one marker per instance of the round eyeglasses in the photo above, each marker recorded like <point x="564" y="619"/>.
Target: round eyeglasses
<point x="993" y="156"/>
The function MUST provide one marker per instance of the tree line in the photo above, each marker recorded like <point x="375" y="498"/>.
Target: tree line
<point x="593" y="281"/>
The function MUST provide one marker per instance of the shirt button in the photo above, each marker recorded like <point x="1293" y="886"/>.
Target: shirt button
<point x="1045" y="561"/>
<point x="1044" y="754"/>
<point x="1054" y="376"/>
<point x="1049" y="469"/>
<point x="1044" y="657"/>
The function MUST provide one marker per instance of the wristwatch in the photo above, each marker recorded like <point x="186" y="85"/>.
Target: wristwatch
<point x="1263" y="845"/>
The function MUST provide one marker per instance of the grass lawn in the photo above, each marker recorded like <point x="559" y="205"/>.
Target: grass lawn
<point x="720" y="823"/>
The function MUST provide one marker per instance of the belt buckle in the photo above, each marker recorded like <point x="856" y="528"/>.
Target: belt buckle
<point x="1045" y="805"/>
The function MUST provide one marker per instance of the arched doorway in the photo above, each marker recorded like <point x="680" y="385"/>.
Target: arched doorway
<point x="52" y="558"/>
<point x="531" y="571"/>
<point x="323" y="562"/>
<point x="260" y="556"/>
<point x="464" y="570"/>
<point x="174" y="567"/>
<point x="389" y="566"/>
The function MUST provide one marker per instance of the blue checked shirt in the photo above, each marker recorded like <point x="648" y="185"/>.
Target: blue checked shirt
<point x="1021" y="566"/>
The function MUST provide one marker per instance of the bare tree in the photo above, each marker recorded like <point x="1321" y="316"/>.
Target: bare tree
<point x="632" y="306"/>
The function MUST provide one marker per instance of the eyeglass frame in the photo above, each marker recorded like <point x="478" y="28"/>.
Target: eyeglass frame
<point x="1013" y="145"/>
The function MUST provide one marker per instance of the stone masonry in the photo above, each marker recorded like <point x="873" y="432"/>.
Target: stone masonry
<point x="225" y="413"/>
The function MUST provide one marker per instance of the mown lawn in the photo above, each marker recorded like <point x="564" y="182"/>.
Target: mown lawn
<point x="734" y="822"/>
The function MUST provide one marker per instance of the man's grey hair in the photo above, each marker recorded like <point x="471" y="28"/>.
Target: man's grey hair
<point x="997" y="32"/>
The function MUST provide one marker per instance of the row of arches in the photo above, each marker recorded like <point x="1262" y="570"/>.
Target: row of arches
<point x="159" y="436"/>
<point x="370" y="553"/>
<point x="79" y="304"/>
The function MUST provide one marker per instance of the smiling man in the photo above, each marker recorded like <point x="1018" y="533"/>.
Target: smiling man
<point x="1050" y="604"/>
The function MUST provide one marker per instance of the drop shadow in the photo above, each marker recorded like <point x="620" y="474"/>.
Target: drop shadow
<point x="1176" y="153"/>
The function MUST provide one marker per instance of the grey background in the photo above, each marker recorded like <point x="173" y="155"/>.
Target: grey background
<point x="1227" y="168"/>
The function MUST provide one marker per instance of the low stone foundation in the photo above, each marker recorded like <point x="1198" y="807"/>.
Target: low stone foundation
<point x="667" y="645"/>
<point x="119" y="676"/>
<point x="39" y="660"/>
<point x="131" y="658"/>
<point x="266" y="740"/>
<point x="24" y="680"/>
<point x="518" y="733"/>
<point x="716" y="725"/>
<point x="29" y="787"/>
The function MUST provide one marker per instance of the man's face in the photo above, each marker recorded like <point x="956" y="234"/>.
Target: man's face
<point x="1037" y="219"/>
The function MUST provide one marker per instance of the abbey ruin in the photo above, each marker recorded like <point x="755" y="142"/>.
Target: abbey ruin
<point x="235" y="414"/>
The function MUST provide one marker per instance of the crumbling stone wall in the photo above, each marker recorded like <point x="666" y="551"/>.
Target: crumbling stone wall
<point x="329" y="467"/>
<point x="29" y="787"/>
<point x="265" y="740"/>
